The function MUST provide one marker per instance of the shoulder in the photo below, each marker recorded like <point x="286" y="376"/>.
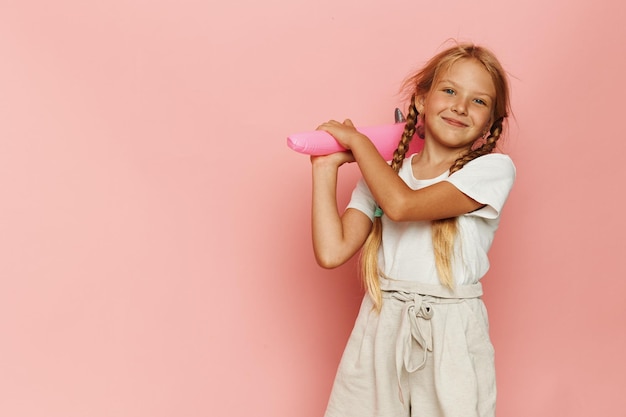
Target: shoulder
<point x="487" y="179"/>
<point x="494" y="159"/>
<point x="491" y="165"/>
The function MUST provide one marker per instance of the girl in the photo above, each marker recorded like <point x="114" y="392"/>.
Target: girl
<point x="425" y="222"/>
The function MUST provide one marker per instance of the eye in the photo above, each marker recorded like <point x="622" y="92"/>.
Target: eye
<point x="448" y="91"/>
<point x="480" y="101"/>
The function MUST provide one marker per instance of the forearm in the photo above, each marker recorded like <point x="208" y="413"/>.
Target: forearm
<point x="327" y="228"/>
<point x="336" y="237"/>
<point x="438" y="201"/>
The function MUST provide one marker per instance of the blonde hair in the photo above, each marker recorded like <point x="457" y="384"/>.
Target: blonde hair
<point x="443" y="231"/>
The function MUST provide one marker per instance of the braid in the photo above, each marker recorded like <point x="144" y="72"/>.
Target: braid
<point x="407" y="135"/>
<point x="369" y="255"/>
<point x="445" y="230"/>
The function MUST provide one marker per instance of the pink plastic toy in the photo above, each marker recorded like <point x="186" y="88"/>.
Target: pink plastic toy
<point x="385" y="138"/>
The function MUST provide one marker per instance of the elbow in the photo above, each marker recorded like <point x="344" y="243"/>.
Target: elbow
<point x="328" y="257"/>
<point x="393" y="215"/>
<point x="327" y="261"/>
<point x="400" y="208"/>
<point x="395" y="211"/>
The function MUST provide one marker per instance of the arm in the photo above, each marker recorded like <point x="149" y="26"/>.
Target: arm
<point x="336" y="238"/>
<point x="398" y="201"/>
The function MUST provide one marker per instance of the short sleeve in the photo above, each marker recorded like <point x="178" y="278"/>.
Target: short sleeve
<point x="363" y="200"/>
<point x="488" y="180"/>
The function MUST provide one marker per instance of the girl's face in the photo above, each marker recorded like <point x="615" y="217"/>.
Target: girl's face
<point x="458" y="108"/>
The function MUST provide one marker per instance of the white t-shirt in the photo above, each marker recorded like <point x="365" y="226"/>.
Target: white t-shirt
<point x="407" y="249"/>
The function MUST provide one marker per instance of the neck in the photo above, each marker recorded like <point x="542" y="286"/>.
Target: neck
<point x="433" y="161"/>
<point x="435" y="156"/>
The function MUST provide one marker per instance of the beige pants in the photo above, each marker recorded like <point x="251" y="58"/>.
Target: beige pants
<point x="426" y="354"/>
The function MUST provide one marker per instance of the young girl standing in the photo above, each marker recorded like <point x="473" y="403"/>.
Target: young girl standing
<point x="424" y="222"/>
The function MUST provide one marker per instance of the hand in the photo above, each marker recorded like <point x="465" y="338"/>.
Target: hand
<point x="334" y="159"/>
<point x="345" y="133"/>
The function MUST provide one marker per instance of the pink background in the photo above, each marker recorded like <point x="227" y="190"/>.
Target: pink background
<point x="155" y="253"/>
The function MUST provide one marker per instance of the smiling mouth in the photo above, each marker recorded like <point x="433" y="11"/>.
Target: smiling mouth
<point x="454" y="122"/>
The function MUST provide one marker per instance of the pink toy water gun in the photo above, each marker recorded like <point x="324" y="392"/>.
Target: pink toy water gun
<point x="385" y="138"/>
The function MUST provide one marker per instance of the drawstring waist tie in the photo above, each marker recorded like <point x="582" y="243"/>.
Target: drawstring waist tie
<point x="415" y="333"/>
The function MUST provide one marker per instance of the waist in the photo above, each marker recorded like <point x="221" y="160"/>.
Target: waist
<point x="389" y="286"/>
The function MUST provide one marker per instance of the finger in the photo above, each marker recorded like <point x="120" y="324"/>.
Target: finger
<point x="348" y="122"/>
<point x="324" y="125"/>
<point x="330" y="123"/>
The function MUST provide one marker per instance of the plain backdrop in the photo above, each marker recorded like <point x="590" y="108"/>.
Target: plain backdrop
<point x="155" y="255"/>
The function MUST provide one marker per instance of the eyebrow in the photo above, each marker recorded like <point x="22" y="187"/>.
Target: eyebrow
<point x="456" y="85"/>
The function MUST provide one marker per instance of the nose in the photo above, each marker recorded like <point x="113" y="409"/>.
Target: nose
<point x="459" y="107"/>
